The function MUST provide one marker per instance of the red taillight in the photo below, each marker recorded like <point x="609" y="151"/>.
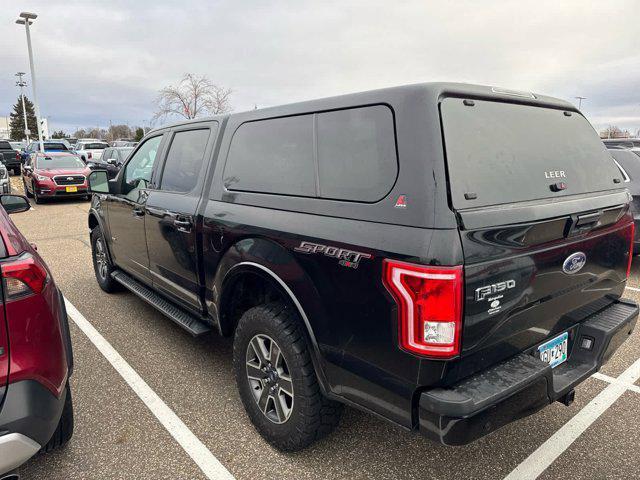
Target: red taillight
<point x="18" y="156"/>
<point x="23" y="277"/>
<point x="89" y="155"/>
<point x="429" y="307"/>
<point x="633" y="231"/>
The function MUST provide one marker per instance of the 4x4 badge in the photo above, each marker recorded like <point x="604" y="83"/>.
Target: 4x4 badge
<point x="347" y="258"/>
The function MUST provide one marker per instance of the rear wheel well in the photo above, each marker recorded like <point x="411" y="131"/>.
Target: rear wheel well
<point x="244" y="291"/>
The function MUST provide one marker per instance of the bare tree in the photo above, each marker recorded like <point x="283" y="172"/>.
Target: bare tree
<point x="192" y="97"/>
<point x="115" y="132"/>
<point x="613" y="131"/>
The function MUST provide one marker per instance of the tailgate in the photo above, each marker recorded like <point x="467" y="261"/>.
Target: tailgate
<point x="544" y="223"/>
<point x="527" y="282"/>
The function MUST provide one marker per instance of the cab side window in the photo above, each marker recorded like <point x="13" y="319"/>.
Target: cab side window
<point x="184" y="160"/>
<point x="137" y="174"/>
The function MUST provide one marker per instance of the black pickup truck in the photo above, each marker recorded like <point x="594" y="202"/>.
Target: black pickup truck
<point x="448" y="257"/>
<point x="9" y="157"/>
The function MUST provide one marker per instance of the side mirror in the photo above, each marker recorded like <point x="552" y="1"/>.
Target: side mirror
<point x="14" y="203"/>
<point x="27" y="168"/>
<point x="99" y="181"/>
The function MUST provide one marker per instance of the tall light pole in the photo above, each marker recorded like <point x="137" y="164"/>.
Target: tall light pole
<point x="21" y="83"/>
<point x="580" y="101"/>
<point x="26" y="20"/>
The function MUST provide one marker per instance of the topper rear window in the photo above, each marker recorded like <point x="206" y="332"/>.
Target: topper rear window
<point x="501" y="153"/>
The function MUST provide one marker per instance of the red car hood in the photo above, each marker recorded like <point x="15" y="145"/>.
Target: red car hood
<point x="63" y="171"/>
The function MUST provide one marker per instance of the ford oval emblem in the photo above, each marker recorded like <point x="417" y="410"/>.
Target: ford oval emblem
<point x="574" y="263"/>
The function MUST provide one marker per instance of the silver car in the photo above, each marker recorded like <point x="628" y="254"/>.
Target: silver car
<point x="5" y="181"/>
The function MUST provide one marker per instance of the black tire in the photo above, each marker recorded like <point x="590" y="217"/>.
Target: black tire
<point x="16" y="171"/>
<point x="311" y="415"/>
<point x="64" y="431"/>
<point x="37" y="197"/>
<point x="102" y="271"/>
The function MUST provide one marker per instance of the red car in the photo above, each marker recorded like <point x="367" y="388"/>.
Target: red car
<point x="36" y="359"/>
<point x="55" y="175"/>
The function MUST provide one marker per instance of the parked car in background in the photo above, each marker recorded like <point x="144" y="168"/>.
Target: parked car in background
<point x="49" y="146"/>
<point x="111" y="160"/>
<point x="72" y="141"/>
<point x="36" y="358"/>
<point x="18" y="146"/>
<point x="55" y="175"/>
<point x="9" y="157"/>
<point x="90" y="150"/>
<point x="122" y="142"/>
<point x="5" y="180"/>
<point x="354" y="262"/>
<point x="629" y="164"/>
<point x="622" y="142"/>
<point x="88" y="140"/>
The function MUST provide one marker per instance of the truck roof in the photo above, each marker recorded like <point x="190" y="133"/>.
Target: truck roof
<point x="431" y="90"/>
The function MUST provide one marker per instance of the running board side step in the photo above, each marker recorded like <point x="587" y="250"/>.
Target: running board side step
<point x="191" y="324"/>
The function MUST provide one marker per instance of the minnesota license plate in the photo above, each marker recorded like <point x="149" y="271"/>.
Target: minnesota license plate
<point x="554" y="352"/>
<point x="72" y="189"/>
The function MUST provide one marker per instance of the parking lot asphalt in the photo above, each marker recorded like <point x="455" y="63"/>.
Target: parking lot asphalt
<point x="118" y="436"/>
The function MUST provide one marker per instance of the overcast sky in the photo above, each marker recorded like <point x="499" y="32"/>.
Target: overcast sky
<point x="101" y="61"/>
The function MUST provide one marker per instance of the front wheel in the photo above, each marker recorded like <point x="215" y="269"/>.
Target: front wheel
<point x="37" y="197"/>
<point x="276" y="379"/>
<point x="102" y="265"/>
<point x="26" y="190"/>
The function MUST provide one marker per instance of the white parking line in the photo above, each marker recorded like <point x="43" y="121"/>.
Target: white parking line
<point x="549" y="451"/>
<point x="634" y="289"/>
<point x="608" y="379"/>
<point x="208" y="463"/>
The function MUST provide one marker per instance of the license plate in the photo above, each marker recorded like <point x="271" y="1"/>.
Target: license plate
<point x="72" y="189"/>
<point x="554" y="352"/>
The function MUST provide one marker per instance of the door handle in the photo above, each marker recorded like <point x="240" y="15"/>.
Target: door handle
<point x="182" y="225"/>
<point x="137" y="212"/>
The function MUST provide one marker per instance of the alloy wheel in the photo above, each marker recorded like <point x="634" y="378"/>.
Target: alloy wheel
<point x="269" y="378"/>
<point x="101" y="259"/>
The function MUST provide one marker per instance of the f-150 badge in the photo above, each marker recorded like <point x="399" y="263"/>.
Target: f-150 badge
<point x="490" y="290"/>
<point x="347" y="258"/>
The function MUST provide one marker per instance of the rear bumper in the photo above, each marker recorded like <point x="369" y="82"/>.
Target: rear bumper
<point x="523" y="384"/>
<point x="15" y="449"/>
<point x="29" y="417"/>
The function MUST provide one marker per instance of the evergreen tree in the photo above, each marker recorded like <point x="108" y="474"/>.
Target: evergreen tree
<point x="139" y="134"/>
<point x="17" y="120"/>
<point x="59" y="134"/>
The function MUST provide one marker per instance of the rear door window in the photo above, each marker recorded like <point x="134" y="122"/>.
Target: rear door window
<point x="184" y="161"/>
<point x="501" y="153"/>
